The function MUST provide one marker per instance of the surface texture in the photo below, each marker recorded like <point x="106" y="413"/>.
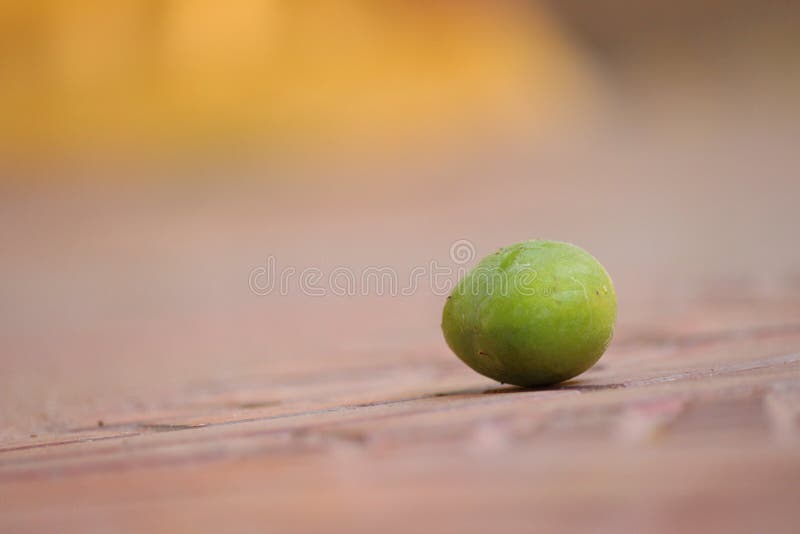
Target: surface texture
<point x="691" y="431"/>
<point x="146" y="386"/>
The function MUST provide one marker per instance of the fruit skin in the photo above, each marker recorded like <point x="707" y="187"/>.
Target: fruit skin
<point x="532" y="314"/>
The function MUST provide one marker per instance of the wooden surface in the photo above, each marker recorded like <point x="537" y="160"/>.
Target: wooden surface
<point x="693" y="431"/>
<point x="145" y="388"/>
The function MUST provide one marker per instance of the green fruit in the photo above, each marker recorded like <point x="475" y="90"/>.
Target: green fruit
<point x="532" y="314"/>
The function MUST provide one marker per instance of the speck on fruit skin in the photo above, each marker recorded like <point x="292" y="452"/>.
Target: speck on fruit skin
<point x="550" y="330"/>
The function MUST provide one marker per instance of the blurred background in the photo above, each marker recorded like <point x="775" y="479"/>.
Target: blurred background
<point x="154" y="152"/>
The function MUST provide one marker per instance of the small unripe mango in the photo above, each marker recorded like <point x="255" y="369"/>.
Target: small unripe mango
<point x="532" y="314"/>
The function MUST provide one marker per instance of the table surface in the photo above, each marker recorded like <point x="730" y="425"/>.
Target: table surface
<point x="146" y="388"/>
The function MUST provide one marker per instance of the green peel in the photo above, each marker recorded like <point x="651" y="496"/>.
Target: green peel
<point x="532" y="314"/>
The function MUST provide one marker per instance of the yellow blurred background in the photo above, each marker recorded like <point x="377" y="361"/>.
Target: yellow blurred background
<point x="166" y="74"/>
<point x="165" y="77"/>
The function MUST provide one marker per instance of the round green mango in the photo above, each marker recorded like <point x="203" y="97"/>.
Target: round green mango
<point x="532" y="314"/>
